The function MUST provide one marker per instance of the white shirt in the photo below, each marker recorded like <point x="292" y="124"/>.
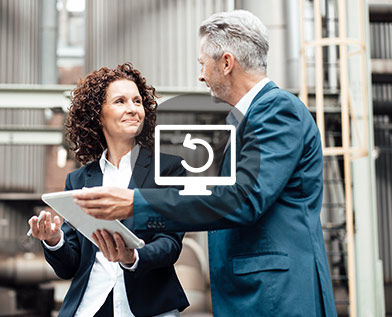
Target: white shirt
<point x="105" y="275"/>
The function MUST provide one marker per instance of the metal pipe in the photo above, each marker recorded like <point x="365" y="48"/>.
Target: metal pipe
<point x="347" y="158"/>
<point x="303" y="95"/>
<point x="293" y="40"/>
<point x="26" y="269"/>
<point x="49" y="42"/>
<point x="319" y="73"/>
<point x="230" y="5"/>
<point x="332" y="53"/>
<point x="364" y="78"/>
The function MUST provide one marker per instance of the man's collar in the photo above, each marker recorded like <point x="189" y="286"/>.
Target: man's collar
<point x="246" y="100"/>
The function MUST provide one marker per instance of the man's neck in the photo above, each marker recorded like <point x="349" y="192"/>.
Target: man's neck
<point x="242" y="84"/>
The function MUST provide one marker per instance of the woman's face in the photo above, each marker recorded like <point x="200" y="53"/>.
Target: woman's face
<point x="123" y="113"/>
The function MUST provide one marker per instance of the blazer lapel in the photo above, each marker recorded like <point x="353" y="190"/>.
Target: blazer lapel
<point x="93" y="178"/>
<point x="223" y="164"/>
<point x="94" y="175"/>
<point x="141" y="168"/>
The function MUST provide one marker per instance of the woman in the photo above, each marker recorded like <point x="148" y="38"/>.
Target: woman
<point x="110" y="129"/>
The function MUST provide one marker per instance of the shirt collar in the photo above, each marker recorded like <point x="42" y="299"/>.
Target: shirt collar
<point x="128" y="159"/>
<point x="247" y="99"/>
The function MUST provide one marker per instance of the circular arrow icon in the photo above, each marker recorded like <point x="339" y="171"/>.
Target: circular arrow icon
<point x="191" y="144"/>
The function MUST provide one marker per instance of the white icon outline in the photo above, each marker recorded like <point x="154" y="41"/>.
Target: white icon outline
<point x="195" y="185"/>
<point x="190" y="143"/>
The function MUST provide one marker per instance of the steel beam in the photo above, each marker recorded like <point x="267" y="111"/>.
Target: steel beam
<point x="15" y="136"/>
<point x="35" y="96"/>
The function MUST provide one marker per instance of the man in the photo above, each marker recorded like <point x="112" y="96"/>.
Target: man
<point x="266" y="248"/>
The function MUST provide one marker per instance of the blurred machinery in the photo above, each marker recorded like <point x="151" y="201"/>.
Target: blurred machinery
<point x="160" y="38"/>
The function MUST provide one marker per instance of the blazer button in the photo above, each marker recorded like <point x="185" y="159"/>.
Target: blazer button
<point x="149" y="225"/>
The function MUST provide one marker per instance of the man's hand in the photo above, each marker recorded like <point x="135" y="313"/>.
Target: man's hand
<point x="113" y="247"/>
<point x="106" y="202"/>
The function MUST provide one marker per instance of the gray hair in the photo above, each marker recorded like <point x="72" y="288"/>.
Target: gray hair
<point x="239" y="32"/>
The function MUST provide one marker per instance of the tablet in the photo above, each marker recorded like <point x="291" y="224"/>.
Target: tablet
<point x="63" y="204"/>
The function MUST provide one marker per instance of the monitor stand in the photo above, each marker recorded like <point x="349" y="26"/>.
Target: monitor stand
<point x="195" y="190"/>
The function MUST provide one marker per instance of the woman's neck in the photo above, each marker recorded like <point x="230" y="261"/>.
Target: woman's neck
<point x="117" y="150"/>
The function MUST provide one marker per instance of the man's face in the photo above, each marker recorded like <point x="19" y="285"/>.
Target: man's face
<point x="212" y="75"/>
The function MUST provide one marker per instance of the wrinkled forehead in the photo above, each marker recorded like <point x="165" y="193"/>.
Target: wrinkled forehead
<point x="121" y="86"/>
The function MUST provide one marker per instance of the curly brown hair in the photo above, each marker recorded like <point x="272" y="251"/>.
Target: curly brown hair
<point x="83" y="125"/>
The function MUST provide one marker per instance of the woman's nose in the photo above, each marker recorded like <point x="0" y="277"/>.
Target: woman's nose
<point x="131" y="107"/>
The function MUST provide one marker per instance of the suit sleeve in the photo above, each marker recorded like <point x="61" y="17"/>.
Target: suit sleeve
<point x="164" y="249"/>
<point x="65" y="261"/>
<point x="270" y="143"/>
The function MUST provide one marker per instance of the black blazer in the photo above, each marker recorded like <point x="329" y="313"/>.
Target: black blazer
<point x="154" y="287"/>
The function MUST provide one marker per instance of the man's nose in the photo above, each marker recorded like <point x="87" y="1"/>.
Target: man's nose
<point x="201" y="78"/>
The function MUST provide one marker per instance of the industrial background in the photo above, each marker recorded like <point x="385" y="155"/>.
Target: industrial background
<point x="335" y="54"/>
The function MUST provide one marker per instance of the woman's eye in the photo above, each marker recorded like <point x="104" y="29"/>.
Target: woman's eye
<point x="138" y="101"/>
<point x="118" y="101"/>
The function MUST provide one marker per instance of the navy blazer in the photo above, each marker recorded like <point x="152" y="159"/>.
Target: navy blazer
<point x="269" y="258"/>
<point x="153" y="288"/>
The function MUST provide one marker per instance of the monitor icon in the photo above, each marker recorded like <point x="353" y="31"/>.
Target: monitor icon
<point x="196" y="185"/>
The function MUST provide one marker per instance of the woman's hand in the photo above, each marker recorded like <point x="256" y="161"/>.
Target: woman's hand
<point x="113" y="247"/>
<point x="47" y="229"/>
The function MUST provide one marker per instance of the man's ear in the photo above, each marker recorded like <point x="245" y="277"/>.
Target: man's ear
<point x="228" y="63"/>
